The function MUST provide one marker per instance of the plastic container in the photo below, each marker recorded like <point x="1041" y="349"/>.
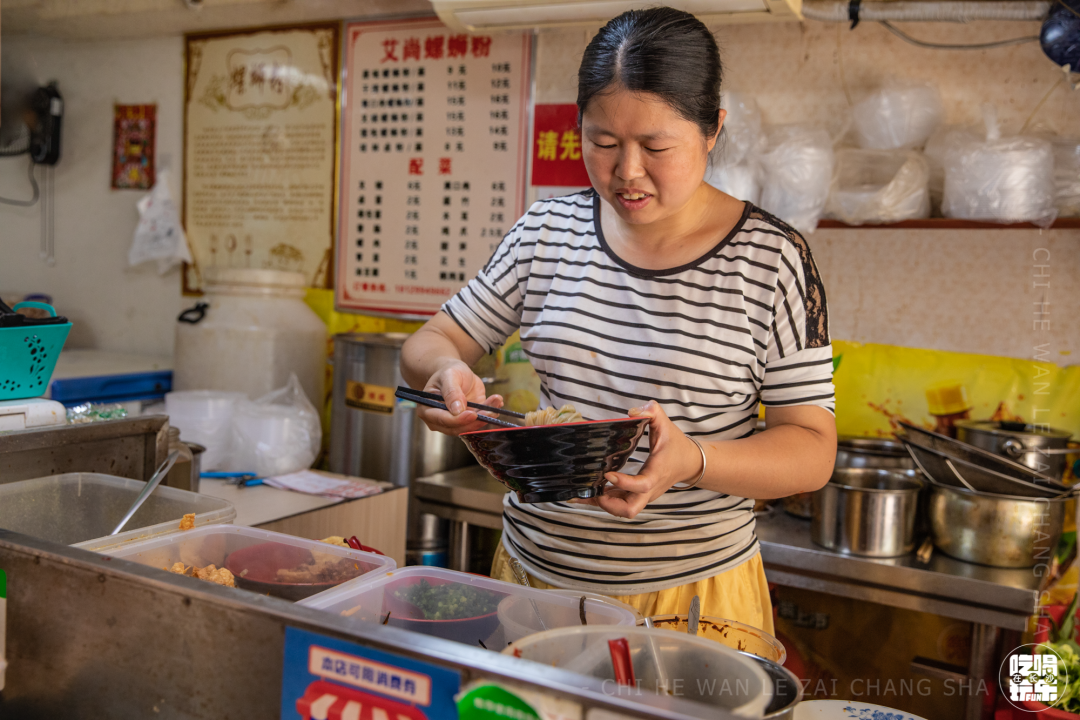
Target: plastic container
<point x="28" y="355"/>
<point x="255" y="556"/>
<point x="693" y="667"/>
<point x="81" y="509"/>
<point x="733" y="634"/>
<point x="254" y="332"/>
<point x="369" y="601"/>
<point x="205" y="417"/>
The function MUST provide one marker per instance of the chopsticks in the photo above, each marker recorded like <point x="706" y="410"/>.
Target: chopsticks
<point x="437" y="401"/>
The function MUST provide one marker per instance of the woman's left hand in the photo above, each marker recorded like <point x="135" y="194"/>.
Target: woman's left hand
<point x="673" y="458"/>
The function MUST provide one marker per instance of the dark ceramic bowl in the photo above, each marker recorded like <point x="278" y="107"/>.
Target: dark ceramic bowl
<point x="550" y="463"/>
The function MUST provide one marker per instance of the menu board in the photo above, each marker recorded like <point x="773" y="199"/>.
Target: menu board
<point x="260" y="132"/>
<point x="434" y="147"/>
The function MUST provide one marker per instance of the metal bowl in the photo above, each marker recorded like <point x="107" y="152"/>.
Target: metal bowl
<point x="999" y="530"/>
<point x="787" y="689"/>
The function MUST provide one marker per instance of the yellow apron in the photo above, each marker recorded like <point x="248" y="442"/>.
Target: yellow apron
<point x="740" y="594"/>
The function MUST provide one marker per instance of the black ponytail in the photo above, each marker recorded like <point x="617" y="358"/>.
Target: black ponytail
<point x="666" y="52"/>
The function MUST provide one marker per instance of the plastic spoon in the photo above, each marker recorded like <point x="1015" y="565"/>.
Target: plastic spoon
<point x="523" y="579"/>
<point x="152" y="483"/>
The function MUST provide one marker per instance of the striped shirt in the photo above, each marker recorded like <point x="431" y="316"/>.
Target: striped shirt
<point x="745" y="323"/>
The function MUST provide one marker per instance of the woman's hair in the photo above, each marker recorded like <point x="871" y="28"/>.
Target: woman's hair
<point x="666" y="52"/>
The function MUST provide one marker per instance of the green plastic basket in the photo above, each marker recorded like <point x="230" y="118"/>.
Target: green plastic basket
<point x="28" y="356"/>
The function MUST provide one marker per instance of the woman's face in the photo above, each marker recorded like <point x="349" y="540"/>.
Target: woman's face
<point x="642" y="157"/>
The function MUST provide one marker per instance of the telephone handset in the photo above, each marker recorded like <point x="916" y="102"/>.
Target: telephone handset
<point x="46" y="112"/>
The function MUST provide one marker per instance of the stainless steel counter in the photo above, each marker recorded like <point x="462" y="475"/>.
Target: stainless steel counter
<point x="951" y="588"/>
<point x="94" y="637"/>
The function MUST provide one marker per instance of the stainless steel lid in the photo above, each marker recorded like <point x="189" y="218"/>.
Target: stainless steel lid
<point x="392" y="339"/>
<point x="1018" y="430"/>
<point x="871" y="446"/>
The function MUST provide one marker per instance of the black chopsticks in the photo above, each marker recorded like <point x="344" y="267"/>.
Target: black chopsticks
<point x="437" y="401"/>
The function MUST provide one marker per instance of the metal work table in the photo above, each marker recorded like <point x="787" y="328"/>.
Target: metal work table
<point x="997" y="601"/>
<point x="469" y="496"/>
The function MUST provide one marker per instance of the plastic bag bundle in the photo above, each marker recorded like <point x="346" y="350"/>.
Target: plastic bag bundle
<point x="999" y="179"/>
<point x="937" y="147"/>
<point x="879" y="186"/>
<point x="277" y="434"/>
<point x="734" y="165"/>
<point x="1067" y="176"/>
<point x="739" y="181"/>
<point x="742" y="128"/>
<point x="796" y="173"/>
<point x="159" y="235"/>
<point x="898" y="116"/>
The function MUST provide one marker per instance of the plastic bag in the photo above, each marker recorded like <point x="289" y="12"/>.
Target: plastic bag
<point x="1067" y="175"/>
<point x="159" y="235"/>
<point x="879" y="186"/>
<point x="742" y="129"/>
<point x="734" y="167"/>
<point x="277" y="434"/>
<point x="999" y="179"/>
<point x="897" y="116"/>
<point x="796" y="173"/>
<point x="937" y="147"/>
<point x="740" y="181"/>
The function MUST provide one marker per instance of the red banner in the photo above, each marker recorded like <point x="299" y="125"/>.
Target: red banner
<point x="556" y="147"/>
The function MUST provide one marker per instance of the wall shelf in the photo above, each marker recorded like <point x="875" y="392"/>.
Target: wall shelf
<point x="1067" y="223"/>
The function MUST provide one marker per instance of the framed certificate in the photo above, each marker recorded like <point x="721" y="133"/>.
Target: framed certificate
<point x="260" y="150"/>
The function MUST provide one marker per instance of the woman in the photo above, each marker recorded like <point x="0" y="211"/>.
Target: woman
<point x="656" y="292"/>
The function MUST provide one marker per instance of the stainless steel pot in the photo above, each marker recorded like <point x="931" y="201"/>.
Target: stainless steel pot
<point x="867" y="511"/>
<point x="855" y="452"/>
<point x="999" y="530"/>
<point x="860" y="452"/>
<point x="373" y="435"/>
<point x="1040" y="448"/>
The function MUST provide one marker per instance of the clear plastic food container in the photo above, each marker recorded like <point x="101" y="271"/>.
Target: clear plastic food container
<point x="664" y="662"/>
<point x="81" y="509"/>
<point x="265" y="562"/>
<point x="465" y="608"/>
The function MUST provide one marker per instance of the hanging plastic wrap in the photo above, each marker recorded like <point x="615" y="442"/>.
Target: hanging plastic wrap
<point x="879" y="186"/>
<point x="796" y="173"/>
<point x="1067" y="176"/>
<point x="159" y="235"/>
<point x="898" y="115"/>
<point x="734" y="165"/>
<point x="996" y="179"/>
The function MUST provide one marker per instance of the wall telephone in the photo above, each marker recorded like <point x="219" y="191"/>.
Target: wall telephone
<point x="44" y="117"/>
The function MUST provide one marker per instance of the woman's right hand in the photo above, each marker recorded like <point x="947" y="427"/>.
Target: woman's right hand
<point x="458" y="385"/>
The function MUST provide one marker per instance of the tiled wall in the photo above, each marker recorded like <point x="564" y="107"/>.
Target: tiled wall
<point x="961" y="290"/>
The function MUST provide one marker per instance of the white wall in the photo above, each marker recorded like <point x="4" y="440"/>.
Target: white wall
<point x="959" y="290"/>
<point x="113" y="307"/>
<point x="967" y="291"/>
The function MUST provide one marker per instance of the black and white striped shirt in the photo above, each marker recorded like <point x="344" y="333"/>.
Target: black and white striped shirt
<point x="709" y="340"/>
